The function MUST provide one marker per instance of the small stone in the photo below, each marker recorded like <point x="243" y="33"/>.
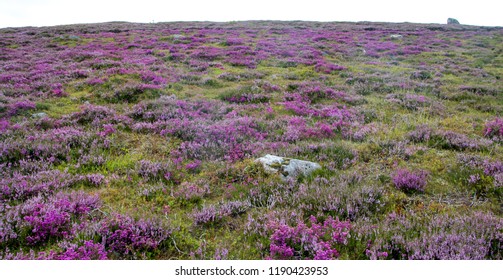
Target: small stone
<point x="288" y="168"/>
<point x="39" y="115"/>
<point x="177" y="36"/>
<point x="452" y="21"/>
<point x="396" y="36"/>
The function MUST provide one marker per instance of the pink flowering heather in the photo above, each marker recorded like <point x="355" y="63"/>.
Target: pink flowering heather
<point x="317" y="241"/>
<point x="494" y="129"/>
<point x="409" y="181"/>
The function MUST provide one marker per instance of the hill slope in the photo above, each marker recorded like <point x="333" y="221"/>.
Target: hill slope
<point x="127" y="141"/>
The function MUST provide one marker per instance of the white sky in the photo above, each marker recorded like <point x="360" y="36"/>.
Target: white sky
<point x="15" y="13"/>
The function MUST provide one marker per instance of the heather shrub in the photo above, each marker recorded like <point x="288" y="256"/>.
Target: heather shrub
<point x="94" y="179"/>
<point x="191" y="192"/>
<point x="216" y="214"/>
<point x="482" y="175"/>
<point x="410" y="181"/>
<point x="4" y="125"/>
<point x="95" y="115"/>
<point x="90" y="162"/>
<point x="447" y="139"/>
<point x="88" y="250"/>
<point x="126" y="93"/>
<point x="41" y="219"/>
<point x="409" y="101"/>
<point x="474" y="236"/>
<point x="494" y="130"/>
<point x="130" y="92"/>
<point x="422" y="133"/>
<point x="207" y="215"/>
<point x="125" y="237"/>
<point x="149" y="170"/>
<point x="54" y="145"/>
<point x="478" y="90"/>
<point x="229" y="139"/>
<point x="345" y="196"/>
<point x="360" y="133"/>
<point x="8" y="232"/>
<point x="421" y="75"/>
<point x="327" y="68"/>
<point x="315" y="240"/>
<point x="373" y="84"/>
<point x="393" y="149"/>
<point x="233" y="97"/>
<point x="312" y="92"/>
<point x="22" y="187"/>
<point x="234" y="208"/>
<point x="230" y="77"/>
<point x="245" y="94"/>
<point x="457" y="141"/>
<point x="20" y="106"/>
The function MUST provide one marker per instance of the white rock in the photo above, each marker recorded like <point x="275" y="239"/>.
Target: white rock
<point x="39" y="115"/>
<point x="287" y="168"/>
<point x="395" y="36"/>
<point x="177" y="36"/>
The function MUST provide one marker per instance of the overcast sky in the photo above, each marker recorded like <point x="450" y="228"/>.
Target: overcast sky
<point x="15" y="13"/>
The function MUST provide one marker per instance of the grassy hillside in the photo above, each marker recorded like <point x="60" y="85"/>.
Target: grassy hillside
<point x="137" y="141"/>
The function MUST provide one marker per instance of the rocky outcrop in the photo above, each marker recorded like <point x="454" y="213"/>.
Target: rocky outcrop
<point x="452" y="21"/>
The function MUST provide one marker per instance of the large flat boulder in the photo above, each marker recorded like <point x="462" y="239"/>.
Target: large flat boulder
<point x="287" y="168"/>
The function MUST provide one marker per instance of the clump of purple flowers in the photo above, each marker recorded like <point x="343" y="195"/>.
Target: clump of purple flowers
<point x="215" y="214"/>
<point x="458" y="141"/>
<point x="19" y="106"/>
<point x="124" y="236"/>
<point x="447" y="139"/>
<point x="483" y="167"/>
<point x="152" y="170"/>
<point x="87" y="251"/>
<point x="409" y="101"/>
<point x="327" y="68"/>
<point x="422" y="133"/>
<point x="52" y="218"/>
<point x="4" y="125"/>
<point x="410" y="181"/>
<point x="247" y="98"/>
<point x="207" y="215"/>
<point x="316" y="241"/>
<point x="418" y="236"/>
<point x="191" y="192"/>
<point x="494" y="129"/>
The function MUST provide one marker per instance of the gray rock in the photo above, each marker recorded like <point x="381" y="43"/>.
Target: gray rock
<point x="39" y="115"/>
<point x="177" y="36"/>
<point x="452" y="21"/>
<point x="167" y="97"/>
<point x="70" y="37"/>
<point x="396" y="36"/>
<point x="287" y="168"/>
